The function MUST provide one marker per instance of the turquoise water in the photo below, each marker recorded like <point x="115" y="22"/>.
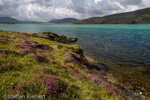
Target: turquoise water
<point x="127" y="45"/>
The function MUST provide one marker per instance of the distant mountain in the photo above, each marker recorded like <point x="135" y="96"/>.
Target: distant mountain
<point x="8" y="20"/>
<point x="136" y="17"/>
<point x="65" y="20"/>
<point x="31" y="22"/>
<point x="25" y="21"/>
<point x="54" y="20"/>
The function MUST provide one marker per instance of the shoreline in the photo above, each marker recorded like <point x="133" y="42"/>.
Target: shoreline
<point x="103" y="73"/>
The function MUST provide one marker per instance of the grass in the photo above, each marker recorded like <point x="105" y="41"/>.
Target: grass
<point x="31" y="66"/>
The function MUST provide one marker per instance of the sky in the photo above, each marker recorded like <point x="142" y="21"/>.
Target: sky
<point x="45" y="10"/>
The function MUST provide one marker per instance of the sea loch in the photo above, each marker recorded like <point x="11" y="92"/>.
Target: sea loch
<point x="126" y="45"/>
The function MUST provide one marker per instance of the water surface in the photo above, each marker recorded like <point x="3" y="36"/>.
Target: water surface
<point x="127" y="45"/>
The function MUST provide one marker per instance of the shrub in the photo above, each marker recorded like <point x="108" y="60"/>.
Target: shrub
<point x="9" y="65"/>
<point x="2" y="36"/>
<point x="69" y="66"/>
<point x="8" y="52"/>
<point x="39" y="58"/>
<point x="25" y="45"/>
<point x="44" y="46"/>
<point x="73" y="57"/>
<point x="79" y="76"/>
<point x="54" y="85"/>
<point x="29" y="87"/>
<point x="25" y="51"/>
<point x="17" y="40"/>
<point x="94" y="78"/>
<point x="53" y="62"/>
<point x="3" y="55"/>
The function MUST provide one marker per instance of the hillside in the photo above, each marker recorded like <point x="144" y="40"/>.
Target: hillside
<point x="41" y="66"/>
<point x="8" y="20"/>
<point x="135" y="17"/>
<point x="65" y="20"/>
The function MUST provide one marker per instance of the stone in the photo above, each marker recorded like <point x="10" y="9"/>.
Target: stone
<point x="72" y="39"/>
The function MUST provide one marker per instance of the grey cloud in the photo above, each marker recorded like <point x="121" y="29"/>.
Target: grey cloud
<point x="130" y="2"/>
<point x="8" y="8"/>
<point x="44" y="10"/>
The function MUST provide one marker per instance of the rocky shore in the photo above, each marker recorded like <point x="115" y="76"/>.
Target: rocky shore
<point x="103" y="68"/>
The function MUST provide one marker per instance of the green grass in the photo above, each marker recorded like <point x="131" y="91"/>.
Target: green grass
<point x="24" y="74"/>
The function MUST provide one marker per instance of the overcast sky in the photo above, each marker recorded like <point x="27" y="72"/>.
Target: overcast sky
<point x="45" y="10"/>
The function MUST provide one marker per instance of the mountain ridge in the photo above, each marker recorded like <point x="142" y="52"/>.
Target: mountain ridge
<point x="65" y="20"/>
<point x="8" y="20"/>
<point x="141" y="16"/>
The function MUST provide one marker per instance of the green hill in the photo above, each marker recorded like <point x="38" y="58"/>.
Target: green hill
<point x="135" y="17"/>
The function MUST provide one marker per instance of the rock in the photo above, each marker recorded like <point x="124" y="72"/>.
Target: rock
<point x="72" y="39"/>
<point x="140" y="93"/>
<point x="59" y="38"/>
<point x="51" y="36"/>
<point x="58" y="46"/>
<point x="63" y="39"/>
<point x="146" y="69"/>
<point x="79" y="51"/>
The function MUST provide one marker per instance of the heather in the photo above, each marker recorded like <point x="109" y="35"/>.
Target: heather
<point x="41" y="64"/>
